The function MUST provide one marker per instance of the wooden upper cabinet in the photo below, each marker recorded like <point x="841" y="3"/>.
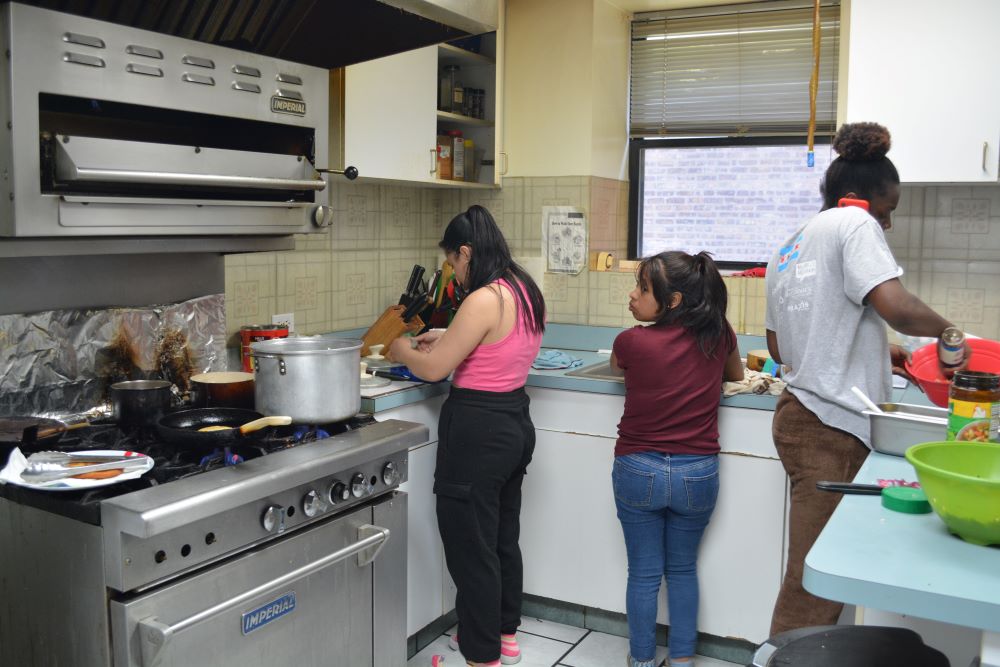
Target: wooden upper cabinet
<point x="926" y="70"/>
<point x="392" y="118"/>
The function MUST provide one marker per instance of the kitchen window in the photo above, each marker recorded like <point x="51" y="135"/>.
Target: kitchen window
<point x="719" y="111"/>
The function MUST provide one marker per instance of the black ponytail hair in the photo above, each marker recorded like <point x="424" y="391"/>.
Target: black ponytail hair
<point x="490" y="260"/>
<point x="861" y="166"/>
<point x="704" y="297"/>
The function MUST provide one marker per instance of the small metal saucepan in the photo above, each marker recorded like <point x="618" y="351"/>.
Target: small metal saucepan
<point x="184" y="427"/>
<point x="140" y="402"/>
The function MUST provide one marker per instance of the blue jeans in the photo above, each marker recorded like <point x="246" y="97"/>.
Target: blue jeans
<point x="664" y="503"/>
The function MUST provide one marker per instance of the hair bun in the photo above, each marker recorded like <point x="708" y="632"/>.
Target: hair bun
<point x="862" y="141"/>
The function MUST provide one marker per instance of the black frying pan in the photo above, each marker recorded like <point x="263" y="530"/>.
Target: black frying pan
<point x="12" y="431"/>
<point x="181" y="427"/>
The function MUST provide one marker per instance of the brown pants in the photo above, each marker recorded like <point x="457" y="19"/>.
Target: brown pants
<point x="811" y="451"/>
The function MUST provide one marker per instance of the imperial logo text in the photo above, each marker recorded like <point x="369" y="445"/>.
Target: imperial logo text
<point x="284" y="105"/>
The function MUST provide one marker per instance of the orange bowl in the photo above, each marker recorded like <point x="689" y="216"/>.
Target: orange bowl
<point x="924" y="367"/>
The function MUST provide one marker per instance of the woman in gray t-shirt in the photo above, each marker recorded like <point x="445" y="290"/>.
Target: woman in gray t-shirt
<point x="831" y="289"/>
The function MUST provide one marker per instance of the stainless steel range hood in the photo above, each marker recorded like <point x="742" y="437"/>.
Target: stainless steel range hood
<point x="322" y="33"/>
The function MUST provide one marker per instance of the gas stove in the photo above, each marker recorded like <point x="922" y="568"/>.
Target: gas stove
<point x="196" y="543"/>
<point x="171" y="462"/>
<point x="285" y="477"/>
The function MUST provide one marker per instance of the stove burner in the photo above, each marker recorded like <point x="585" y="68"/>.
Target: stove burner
<point x="172" y="462"/>
<point x="310" y="432"/>
<point x="225" y="455"/>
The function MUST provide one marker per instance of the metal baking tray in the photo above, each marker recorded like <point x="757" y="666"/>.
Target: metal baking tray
<point x="902" y="425"/>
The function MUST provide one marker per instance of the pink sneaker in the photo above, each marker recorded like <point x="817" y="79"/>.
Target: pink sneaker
<point x="437" y="660"/>
<point x="510" y="652"/>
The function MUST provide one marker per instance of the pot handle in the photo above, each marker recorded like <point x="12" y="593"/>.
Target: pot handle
<point x="282" y="368"/>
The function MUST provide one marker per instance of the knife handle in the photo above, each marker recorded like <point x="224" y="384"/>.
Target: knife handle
<point x="850" y="487"/>
<point x="418" y="304"/>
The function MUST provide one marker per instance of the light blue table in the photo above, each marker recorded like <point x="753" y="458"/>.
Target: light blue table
<point x="909" y="564"/>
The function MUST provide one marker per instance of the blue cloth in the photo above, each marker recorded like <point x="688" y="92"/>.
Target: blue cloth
<point x="664" y="503"/>
<point x="554" y="360"/>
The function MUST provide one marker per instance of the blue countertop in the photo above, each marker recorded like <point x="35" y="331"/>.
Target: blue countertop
<point x="583" y="342"/>
<point x="905" y="563"/>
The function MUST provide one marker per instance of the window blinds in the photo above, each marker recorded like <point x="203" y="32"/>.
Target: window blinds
<point x="741" y="71"/>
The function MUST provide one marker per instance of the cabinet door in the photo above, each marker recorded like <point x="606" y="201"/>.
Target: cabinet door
<point x="425" y="556"/>
<point x="571" y="541"/>
<point x="926" y="70"/>
<point x="390" y="109"/>
<point x="570" y="534"/>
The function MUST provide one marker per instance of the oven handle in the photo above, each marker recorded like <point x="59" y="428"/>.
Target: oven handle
<point x="154" y="635"/>
<point x="212" y="180"/>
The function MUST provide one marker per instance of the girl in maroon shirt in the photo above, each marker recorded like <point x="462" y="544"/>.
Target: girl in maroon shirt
<point x="666" y="471"/>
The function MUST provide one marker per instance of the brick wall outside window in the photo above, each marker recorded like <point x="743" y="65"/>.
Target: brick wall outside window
<point x="738" y="202"/>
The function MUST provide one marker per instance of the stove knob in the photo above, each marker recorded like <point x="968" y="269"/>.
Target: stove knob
<point x="339" y="492"/>
<point x="312" y="504"/>
<point x="390" y="474"/>
<point x="359" y="485"/>
<point x="274" y="519"/>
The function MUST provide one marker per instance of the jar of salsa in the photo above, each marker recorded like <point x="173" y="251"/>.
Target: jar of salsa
<point x="974" y="406"/>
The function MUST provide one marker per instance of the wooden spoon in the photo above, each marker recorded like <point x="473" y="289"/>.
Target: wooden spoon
<point x="250" y="427"/>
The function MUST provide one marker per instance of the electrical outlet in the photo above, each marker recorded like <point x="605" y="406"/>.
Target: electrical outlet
<point x="285" y="318"/>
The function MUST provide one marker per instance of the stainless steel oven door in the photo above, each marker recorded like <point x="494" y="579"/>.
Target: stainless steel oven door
<point x="306" y="599"/>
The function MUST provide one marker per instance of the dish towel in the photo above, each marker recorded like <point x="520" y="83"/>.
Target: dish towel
<point x="551" y="360"/>
<point x="754" y="383"/>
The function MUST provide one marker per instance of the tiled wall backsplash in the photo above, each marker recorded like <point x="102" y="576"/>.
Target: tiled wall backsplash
<point x="343" y="278"/>
<point x="946" y="238"/>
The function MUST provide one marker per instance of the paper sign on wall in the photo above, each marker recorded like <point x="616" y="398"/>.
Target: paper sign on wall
<point x="564" y="239"/>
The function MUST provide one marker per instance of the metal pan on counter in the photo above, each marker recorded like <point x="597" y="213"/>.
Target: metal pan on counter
<point x="899" y="426"/>
<point x="186" y="426"/>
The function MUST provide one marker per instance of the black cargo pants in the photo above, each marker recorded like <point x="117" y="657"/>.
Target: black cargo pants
<point x="485" y="441"/>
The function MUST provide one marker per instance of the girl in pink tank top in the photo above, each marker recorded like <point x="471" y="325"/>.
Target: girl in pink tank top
<point x="485" y="434"/>
<point x="503" y="365"/>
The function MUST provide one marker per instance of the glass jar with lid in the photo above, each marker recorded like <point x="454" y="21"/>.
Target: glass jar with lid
<point x="974" y="406"/>
<point x="446" y="89"/>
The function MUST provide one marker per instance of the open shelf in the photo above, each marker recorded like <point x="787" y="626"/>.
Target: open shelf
<point x="460" y="119"/>
<point x="452" y="55"/>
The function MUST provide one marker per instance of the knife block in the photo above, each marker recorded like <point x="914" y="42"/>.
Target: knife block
<point x="388" y="327"/>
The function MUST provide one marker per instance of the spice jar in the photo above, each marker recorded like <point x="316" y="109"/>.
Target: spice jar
<point x="974" y="406"/>
<point x="445" y="159"/>
<point x="951" y="348"/>
<point x="457" y="155"/>
<point x="446" y="86"/>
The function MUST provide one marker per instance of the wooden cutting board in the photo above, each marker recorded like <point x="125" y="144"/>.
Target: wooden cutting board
<point x="756" y="359"/>
<point x="388" y="327"/>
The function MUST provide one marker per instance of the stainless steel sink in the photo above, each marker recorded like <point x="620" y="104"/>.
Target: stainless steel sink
<point x="600" y="371"/>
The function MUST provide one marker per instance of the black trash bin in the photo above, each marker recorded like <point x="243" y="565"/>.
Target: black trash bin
<point x="847" y="646"/>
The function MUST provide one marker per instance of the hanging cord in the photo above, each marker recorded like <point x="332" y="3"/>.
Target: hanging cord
<point x="813" y="86"/>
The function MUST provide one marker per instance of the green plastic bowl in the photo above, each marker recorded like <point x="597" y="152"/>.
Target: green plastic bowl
<point x="962" y="483"/>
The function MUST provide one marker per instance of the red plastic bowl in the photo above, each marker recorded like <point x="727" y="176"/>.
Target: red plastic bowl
<point x="924" y="367"/>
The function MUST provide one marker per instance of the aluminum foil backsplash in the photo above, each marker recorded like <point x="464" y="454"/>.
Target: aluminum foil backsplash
<point x="62" y="362"/>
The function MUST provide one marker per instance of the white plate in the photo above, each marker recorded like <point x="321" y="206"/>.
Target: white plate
<point x="71" y="483"/>
<point x="374" y="382"/>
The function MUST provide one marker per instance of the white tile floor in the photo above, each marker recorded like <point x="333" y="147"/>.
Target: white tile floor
<point x="547" y="644"/>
